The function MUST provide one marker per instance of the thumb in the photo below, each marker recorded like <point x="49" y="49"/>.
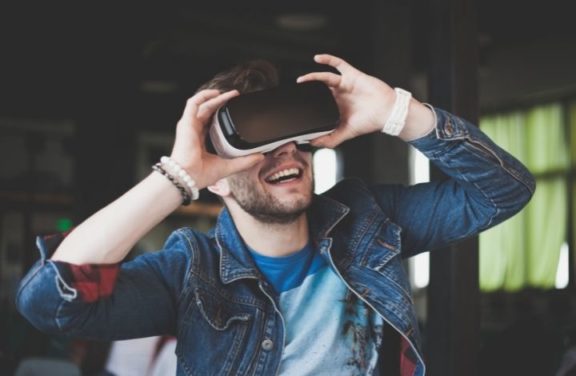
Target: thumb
<point x="231" y="166"/>
<point x="333" y="139"/>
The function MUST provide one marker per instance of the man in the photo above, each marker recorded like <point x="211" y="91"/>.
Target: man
<point x="287" y="282"/>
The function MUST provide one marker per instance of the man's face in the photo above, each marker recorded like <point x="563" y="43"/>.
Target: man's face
<point x="278" y="189"/>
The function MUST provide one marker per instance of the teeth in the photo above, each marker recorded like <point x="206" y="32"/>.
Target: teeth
<point x="280" y="174"/>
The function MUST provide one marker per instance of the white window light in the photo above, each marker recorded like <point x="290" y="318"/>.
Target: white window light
<point x="326" y="169"/>
<point x="419" y="166"/>
<point x="420" y="270"/>
<point x="563" y="271"/>
<point x="419" y="264"/>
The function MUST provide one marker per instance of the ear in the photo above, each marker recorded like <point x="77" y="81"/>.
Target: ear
<point x="220" y="188"/>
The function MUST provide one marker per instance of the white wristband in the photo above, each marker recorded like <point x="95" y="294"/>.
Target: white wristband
<point x="397" y="118"/>
<point x="182" y="175"/>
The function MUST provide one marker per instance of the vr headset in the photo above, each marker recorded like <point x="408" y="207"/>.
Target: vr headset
<point x="261" y="121"/>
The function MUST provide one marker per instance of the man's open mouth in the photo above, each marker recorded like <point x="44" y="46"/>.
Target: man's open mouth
<point x="284" y="176"/>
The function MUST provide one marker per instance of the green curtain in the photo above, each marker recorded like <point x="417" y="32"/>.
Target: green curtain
<point x="524" y="251"/>
<point x="572" y="137"/>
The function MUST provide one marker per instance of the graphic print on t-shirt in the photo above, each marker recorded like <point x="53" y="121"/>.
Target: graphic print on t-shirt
<point x="329" y="330"/>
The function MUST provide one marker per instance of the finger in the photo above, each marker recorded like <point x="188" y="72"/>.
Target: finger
<point x="187" y="126"/>
<point x="329" y="78"/>
<point x="195" y="101"/>
<point x="208" y="108"/>
<point x="339" y="64"/>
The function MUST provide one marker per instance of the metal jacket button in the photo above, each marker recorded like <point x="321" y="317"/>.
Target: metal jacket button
<point x="267" y="344"/>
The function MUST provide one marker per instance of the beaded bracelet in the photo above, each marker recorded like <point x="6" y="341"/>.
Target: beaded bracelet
<point x="174" y="167"/>
<point x="186" y="199"/>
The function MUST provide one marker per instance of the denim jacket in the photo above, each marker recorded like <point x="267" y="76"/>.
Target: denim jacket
<point x="206" y="290"/>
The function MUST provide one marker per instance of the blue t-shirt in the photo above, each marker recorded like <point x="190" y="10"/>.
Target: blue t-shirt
<point x="329" y="330"/>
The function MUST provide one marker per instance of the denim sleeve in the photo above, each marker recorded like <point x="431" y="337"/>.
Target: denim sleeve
<point x="142" y="303"/>
<point x="485" y="185"/>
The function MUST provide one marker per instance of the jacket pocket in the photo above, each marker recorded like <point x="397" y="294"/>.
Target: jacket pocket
<point x="217" y="314"/>
<point x="383" y="257"/>
<point x="385" y="245"/>
<point x="213" y="334"/>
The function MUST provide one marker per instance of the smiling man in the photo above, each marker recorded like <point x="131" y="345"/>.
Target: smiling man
<point x="287" y="282"/>
<point x="278" y="190"/>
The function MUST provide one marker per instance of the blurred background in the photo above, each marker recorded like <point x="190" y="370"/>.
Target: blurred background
<point x="90" y="96"/>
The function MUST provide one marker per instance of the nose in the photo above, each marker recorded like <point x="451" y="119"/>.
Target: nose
<point x="288" y="148"/>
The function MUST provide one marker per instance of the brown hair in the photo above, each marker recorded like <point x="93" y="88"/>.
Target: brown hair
<point x="250" y="76"/>
<point x="247" y="77"/>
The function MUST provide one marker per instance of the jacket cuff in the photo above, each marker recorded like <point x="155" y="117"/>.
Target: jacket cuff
<point x="89" y="282"/>
<point x="93" y="282"/>
<point x="448" y="128"/>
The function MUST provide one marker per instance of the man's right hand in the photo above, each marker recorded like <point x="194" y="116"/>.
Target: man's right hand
<point x="189" y="148"/>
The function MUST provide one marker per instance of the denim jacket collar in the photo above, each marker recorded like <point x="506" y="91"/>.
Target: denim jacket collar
<point x="235" y="260"/>
<point x="324" y="214"/>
